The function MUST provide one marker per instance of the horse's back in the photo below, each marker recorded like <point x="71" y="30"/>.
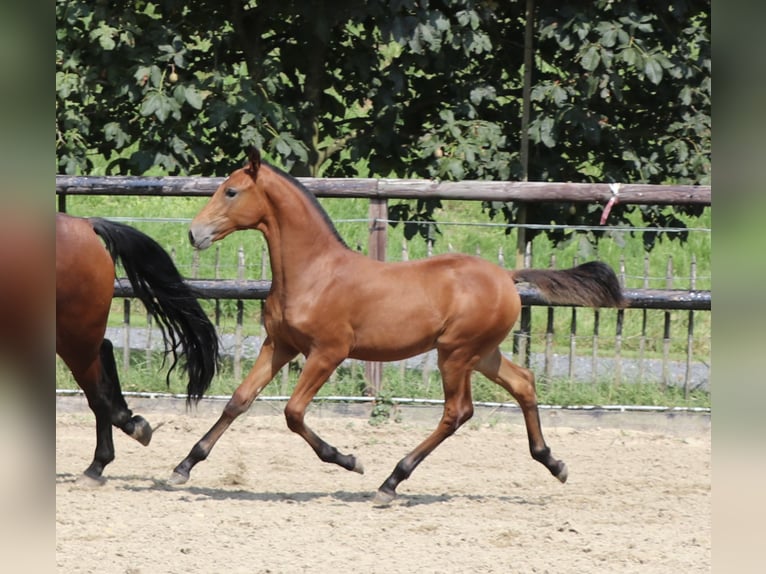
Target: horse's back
<point x="451" y="280"/>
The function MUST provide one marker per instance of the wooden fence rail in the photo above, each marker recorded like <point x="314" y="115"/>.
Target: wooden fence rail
<point x="670" y="299"/>
<point x="516" y="191"/>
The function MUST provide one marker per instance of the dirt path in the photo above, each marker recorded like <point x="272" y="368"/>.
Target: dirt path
<point x="636" y="501"/>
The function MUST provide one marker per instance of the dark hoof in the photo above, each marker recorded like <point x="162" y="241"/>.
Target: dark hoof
<point x="142" y="430"/>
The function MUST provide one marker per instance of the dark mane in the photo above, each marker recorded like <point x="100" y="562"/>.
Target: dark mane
<point x="312" y="198"/>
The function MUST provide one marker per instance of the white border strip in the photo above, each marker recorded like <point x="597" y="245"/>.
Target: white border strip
<point x="411" y="401"/>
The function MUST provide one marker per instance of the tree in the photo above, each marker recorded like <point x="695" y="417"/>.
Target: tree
<point x="639" y="108"/>
<point x="405" y="88"/>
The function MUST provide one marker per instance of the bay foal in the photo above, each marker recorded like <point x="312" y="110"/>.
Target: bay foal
<point x="329" y="302"/>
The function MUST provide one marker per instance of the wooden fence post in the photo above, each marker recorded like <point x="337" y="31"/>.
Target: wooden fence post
<point x="666" y="331"/>
<point x="240" y="317"/>
<point x="618" y="329"/>
<point x="690" y="330"/>
<point x="521" y="339"/>
<point x="378" y="216"/>
<point x="522" y="351"/>
<point x="644" y="324"/>
<point x="549" y="337"/>
<point x="126" y="335"/>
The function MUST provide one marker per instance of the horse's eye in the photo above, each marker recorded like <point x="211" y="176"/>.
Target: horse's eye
<point x="230" y="192"/>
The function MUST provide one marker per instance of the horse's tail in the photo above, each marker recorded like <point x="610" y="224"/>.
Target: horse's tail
<point x="592" y="284"/>
<point x="186" y="329"/>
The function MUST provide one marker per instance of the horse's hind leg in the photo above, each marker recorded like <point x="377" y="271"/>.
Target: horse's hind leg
<point x="122" y="417"/>
<point x="89" y="380"/>
<point x="520" y="383"/>
<point x="101" y="386"/>
<point x="458" y="408"/>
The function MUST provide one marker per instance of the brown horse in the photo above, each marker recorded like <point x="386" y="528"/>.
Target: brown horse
<point x="26" y="302"/>
<point x="329" y="302"/>
<point x="85" y="274"/>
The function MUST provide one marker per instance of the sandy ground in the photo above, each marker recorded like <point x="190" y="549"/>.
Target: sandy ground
<point x="636" y="500"/>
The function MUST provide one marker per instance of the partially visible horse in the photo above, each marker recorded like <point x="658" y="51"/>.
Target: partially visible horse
<point x="329" y="302"/>
<point x="26" y="303"/>
<point x="85" y="274"/>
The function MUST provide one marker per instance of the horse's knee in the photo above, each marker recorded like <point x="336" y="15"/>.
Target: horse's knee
<point x="466" y="412"/>
<point x="527" y="378"/>
<point x="237" y="405"/>
<point x="455" y="416"/>
<point x="293" y="418"/>
<point x="524" y="389"/>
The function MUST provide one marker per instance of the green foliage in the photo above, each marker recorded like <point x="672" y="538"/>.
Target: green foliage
<point x="417" y="218"/>
<point x="638" y="110"/>
<point x="621" y="92"/>
<point x="382" y="410"/>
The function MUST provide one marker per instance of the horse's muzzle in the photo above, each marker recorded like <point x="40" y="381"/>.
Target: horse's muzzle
<point x="200" y="236"/>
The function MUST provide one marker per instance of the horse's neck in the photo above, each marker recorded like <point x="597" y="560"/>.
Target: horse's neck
<point x="297" y="234"/>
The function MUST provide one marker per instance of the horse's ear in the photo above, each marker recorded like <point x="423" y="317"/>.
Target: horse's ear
<point x="254" y="159"/>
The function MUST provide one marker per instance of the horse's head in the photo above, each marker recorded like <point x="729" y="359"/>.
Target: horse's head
<point x="238" y="203"/>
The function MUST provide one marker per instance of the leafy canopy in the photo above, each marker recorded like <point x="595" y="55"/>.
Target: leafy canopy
<point x="621" y="92"/>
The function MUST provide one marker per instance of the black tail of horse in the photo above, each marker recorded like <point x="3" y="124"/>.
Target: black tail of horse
<point x="186" y="329"/>
<point x="592" y="284"/>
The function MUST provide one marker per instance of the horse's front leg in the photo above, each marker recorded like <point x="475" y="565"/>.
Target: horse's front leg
<point x="270" y="360"/>
<point x="316" y="371"/>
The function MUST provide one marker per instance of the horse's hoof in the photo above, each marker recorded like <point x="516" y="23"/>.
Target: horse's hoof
<point x="563" y="473"/>
<point x="142" y="430"/>
<point x="177" y="479"/>
<point x="88" y="481"/>
<point x="383" y="498"/>
<point x="358" y="466"/>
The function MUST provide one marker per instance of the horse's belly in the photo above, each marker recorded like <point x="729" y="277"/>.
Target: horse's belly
<point x="390" y="353"/>
<point x="394" y="342"/>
